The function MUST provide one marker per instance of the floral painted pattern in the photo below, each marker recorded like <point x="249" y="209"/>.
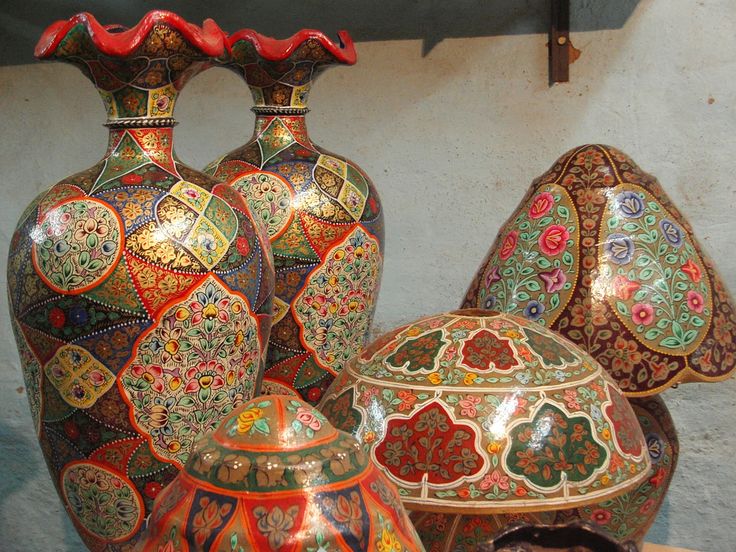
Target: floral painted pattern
<point x="644" y="299"/>
<point x="659" y="292"/>
<point x="105" y="503"/>
<point x="283" y="490"/>
<point x="336" y="306"/>
<point x="543" y="426"/>
<point x="269" y="198"/>
<point x="429" y="445"/>
<point x="193" y="367"/>
<point x="534" y="269"/>
<point x="79" y="378"/>
<point x="567" y="449"/>
<point x="77" y="244"/>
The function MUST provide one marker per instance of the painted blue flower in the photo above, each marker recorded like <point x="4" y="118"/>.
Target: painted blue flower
<point x="534" y="310"/>
<point x="595" y="413"/>
<point x="629" y="204"/>
<point x="61" y="247"/>
<point x="655" y="446"/>
<point x="619" y="248"/>
<point x="490" y="302"/>
<point x="78" y="316"/>
<point x="523" y="377"/>
<point x="109" y="247"/>
<point x="671" y="232"/>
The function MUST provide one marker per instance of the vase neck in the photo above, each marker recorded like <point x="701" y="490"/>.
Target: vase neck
<point x="132" y="145"/>
<point x="285" y="128"/>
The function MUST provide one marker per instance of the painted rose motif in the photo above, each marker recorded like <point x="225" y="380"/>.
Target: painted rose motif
<point x="553" y="240"/>
<point x="541" y="205"/>
<point x="531" y="269"/>
<point x="509" y="245"/>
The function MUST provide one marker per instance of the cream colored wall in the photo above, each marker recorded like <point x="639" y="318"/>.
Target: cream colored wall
<point x="451" y="140"/>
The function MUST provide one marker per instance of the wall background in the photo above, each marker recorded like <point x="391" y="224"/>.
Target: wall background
<point x="452" y="126"/>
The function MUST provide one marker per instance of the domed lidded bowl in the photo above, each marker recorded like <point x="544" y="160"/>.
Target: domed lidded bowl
<point x="276" y="475"/>
<point x="323" y="213"/>
<point x="478" y="412"/>
<point x="597" y="252"/>
<point x="626" y="517"/>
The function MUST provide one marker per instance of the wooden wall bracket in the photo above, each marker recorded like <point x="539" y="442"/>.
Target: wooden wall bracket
<point x="561" y="51"/>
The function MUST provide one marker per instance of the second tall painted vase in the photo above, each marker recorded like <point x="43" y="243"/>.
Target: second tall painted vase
<point x="322" y="212"/>
<point x="140" y="289"/>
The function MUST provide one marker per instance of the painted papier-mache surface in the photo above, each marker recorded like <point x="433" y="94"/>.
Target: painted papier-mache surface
<point x="626" y="517"/>
<point x="276" y="475"/>
<point x="322" y="212"/>
<point x="140" y="289"/>
<point x="479" y="412"/>
<point x="598" y="252"/>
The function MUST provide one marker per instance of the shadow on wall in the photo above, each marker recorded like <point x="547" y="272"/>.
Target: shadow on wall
<point x="22" y="22"/>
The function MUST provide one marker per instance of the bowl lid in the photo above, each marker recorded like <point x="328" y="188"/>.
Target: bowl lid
<point x="477" y="411"/>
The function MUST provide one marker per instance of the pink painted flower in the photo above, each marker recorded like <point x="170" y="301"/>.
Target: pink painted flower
<point x="494" y="478"/>
<point x="695" y="301"/>
<point x="468" y="405"/>
<point x="601" y="517"/>
<point x="492" y="276"/>
<point x="571" y="398"/>
<point x="642" y="313"/>
<point x="407" y="400"/>
<point x="509" y="245"/>
<point x="692" y="270"/>
<point x="367" y="396"/>
<point x="308" y="418"/>
<point x="553" y="240"/>
<point x="206" y="375"/>
<point x="541" y="205"/>
<point x="151" y="374"/>
<point x="554" y="280"/>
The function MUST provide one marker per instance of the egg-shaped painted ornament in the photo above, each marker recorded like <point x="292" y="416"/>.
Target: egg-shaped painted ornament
<point x="597" y="252"/>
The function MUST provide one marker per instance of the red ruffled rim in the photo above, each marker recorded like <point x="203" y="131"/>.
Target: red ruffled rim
<point x="274" y="49"/>
<point x="209" y="38"/>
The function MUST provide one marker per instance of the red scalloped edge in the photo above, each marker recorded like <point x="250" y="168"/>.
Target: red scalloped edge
<point x="274" y="49"/>
<point x="209" y="38"/>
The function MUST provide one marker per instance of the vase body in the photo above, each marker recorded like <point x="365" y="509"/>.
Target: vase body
<point x="627" y="517"/>
<point x="322" y="212"/>
<point x="276" y="475"/>
<point x="598" y="252"/>
<point x="479" y="412"/>
<point x="140" y="289"/>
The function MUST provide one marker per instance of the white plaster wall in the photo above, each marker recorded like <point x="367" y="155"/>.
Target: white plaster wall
<point x="451" y="140"/>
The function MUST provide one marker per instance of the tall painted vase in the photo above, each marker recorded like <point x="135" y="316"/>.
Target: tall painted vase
<point x="140" y="289"/>
<point x="599" y="253"/>
<point x="322" y="212"/>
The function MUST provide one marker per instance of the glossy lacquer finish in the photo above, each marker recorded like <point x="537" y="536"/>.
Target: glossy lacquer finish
<point x="625" y="517"/>
<point x="276" y="475"/>
<point x="598" y="252"/>
<point x="482" y="412"/>
<point x="323" y="215"/>
<point x="140" y="289"/>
